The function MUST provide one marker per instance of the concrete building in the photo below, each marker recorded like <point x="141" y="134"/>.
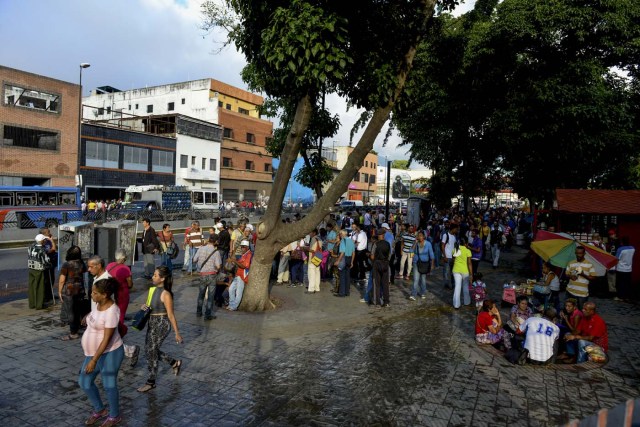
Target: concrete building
<point x="244" y="166"/>
<point x="39" y="127"/>
<point x="364" y="184"/>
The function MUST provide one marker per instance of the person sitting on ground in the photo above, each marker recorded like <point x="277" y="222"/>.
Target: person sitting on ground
<point x="520" y="312"/>
<point x="236" y="290"/>
<point x="489" y="324"/>
<point x="541" y="337"/>
<point x="592" y="331"/>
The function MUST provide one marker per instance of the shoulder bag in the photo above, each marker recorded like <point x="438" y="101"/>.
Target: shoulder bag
<point x="142" y="316"/>
<point x="316" y="259"/>
<point x="423" y="266"/>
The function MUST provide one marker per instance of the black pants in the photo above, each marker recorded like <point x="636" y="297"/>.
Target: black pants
<point x="358" y="272"/>
<point x="380" y="278"/>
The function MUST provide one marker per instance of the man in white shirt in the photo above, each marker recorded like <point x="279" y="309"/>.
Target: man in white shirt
<point x="541" y="337"/>
<point x="447" y="244"/>
<point x="359" y="238"/>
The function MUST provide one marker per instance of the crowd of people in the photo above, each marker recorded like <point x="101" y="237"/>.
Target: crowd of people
<point x="366" y="251"/>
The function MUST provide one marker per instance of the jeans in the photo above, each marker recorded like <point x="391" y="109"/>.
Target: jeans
<point x="283" y="268"/>
<point x="207" y="284"/>
<point x="495" y="254"/>
<point x="579" y="346"/>
<point x="447" y="265"/>
<point x="460" y="280"/>
<point x="235" y="293"/>
<point x="297" y="275"/>
<point x="437" y="254"/>
<point x="192" y="254"/>
<point x="345" y="277"/>
<point x="108" y="366"/>
<point x="166" y="260"/>
<point x="369" y="290"/>
<point x="419" y="283"/>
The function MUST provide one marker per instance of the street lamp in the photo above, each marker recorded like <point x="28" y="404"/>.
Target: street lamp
<point x="82" y="65"/>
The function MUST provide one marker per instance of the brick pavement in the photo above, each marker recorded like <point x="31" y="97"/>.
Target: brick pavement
<point x="320" y="360"/>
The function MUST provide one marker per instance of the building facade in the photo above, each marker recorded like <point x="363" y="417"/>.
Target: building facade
<point x="364" y="184"/>
<point x="242" y="168"/>
<point x="39" y="127"/>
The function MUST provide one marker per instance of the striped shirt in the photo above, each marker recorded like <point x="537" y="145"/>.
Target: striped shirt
<point x="195" y="238"/>
<point x="541" y="334"/>
<point x="580" y="286"/>
<point x="408" y="240"/>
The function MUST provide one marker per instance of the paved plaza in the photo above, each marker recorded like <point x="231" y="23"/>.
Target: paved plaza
<point x="320" y="360"/>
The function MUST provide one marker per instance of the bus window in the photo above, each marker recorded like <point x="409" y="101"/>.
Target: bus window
<point x="26" y="199"/>
<point x="197" y="197"/>
<point x="6" y="199"/>
<point x="68" y="199"/>
<point x="47" y="199"/>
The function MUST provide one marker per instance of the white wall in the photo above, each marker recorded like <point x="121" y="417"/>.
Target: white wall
<point x="194" y="175"/>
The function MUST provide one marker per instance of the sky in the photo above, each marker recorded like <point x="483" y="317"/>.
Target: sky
<point x="133" y="44"/>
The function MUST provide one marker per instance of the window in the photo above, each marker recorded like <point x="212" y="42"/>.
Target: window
<point x="251" y="138"/>
<point x="228" y="107"/>
<point x="162" y="161"/>
<point x="267" y="167"/>
<point x="136" y="106"/>
<point x="366" y="163"/>
<point x="230" y="194"/>
<point x="108" y="110"/>
<point x="249" y="165"/>
<point x="193" y="160"/>
<point x="182" y="101"/>
<point x="136" y="159"/>
<point x="150" y="108"/>
<point x="365" y="177"/>
<point x="102" y="155"/>
<point x="228" y="133"/>
<point x="129" y="107"/>
<point x="184" y="161"/>
<point x="243" y="111"/>
<point x="251" y="195"/>
<point x="100" y="111"/>
<point x="17" y="136"/>
<point x="171" y="106"/>
<point x="204" y="163"/>
<point x="220" y="104"/>
<point x="356" y="177"/>
<point x="213" y="164"/>
<point x="18" y="96"/>
<point x="226" y="162"/>
<point x="372" y="179"/>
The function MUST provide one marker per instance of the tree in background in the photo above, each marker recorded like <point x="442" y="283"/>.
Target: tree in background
<point x="299" y="50"/>
<point x="531" y="95"/>
<point x="400" y="164"/>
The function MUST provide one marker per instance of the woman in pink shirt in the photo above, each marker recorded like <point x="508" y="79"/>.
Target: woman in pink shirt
<point x="103" y="352"/>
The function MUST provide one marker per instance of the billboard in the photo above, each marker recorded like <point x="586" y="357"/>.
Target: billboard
<point x="401" y="183"/>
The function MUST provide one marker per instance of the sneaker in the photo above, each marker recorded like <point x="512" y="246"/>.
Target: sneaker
<point x="423" y="297"/>
<point x="412" y="298"/>
<point x="135" y="355"/>
<point x="362" y="300"/>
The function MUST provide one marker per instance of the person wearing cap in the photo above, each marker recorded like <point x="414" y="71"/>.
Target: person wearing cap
<point x="38" y="263"/>
<point x="224" y="241"/>
<point x="242" y="276"/>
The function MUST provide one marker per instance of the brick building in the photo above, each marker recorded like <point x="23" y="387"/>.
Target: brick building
<point x="39" y="127"/>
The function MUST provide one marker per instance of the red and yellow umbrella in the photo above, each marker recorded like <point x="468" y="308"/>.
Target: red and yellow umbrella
<point x="559" y="249"/>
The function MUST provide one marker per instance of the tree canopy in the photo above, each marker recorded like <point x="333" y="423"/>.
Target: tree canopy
<point x="532" y="95"/>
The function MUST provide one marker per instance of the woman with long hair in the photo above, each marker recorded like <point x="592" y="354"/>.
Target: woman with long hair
<point x="462" y="269"/>
<point x="161" y="321"/>
<point x="103" y="351"/>
<point x="71" y="290"/>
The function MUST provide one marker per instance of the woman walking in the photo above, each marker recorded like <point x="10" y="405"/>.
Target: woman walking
<point x="71" y="290"/>
<point x="161" y="321"/>
<point x="103" y="352"/>
<point x="462" y="269"/>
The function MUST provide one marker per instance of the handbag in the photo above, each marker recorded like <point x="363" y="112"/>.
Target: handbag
<point x="296" y="253"/>
<point x="316" y="259"/>
<point x="172" y="248"/>
<point x="142" y="316"/>
<point x="423" y="266"/>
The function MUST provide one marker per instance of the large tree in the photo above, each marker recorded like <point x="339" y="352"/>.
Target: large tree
<point x="544" y="93"/>
<point x="298" y="50"/>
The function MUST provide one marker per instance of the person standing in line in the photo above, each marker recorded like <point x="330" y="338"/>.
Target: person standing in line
<point x="104" y="352"/>
<point x="423" y="252"/>
<point x="361" y="243"/>
<point x="193" y="241"/>
<point x="71" y="290"/>
<point x="381" y="251"/>
<point x="462" y="270"/>
<point x="408" y="246"/>
<point x="485" y="231"/>
<point x="447" y="245"/>
<point x="313" y="271"/>
<point x="236" y="238"/>
<point x="166" y="239"/>
<point x="209" y="262"/>
<point x="150" y="246"/>
<point x="37" y="263"/>
<point x="50" y="273"/>
<point x="496" y="242"/>
<point x="224" y="240"/>
<point x="477" y="250"/>
<point x="625" y="255"/>
<point x="345" y="260"/>
<point x="161" y="321"/>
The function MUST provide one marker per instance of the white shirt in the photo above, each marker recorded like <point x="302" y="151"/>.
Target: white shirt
<point x="625" y="258"/>
<point x="360" y="239"/>
<point x="448" y="247"/>
<point x="541" y="334"/>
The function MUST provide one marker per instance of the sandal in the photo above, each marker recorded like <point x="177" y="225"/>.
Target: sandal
<point x="176" y="367"/>
<point x="96" y="416"/>
<point x="111" y="421"/>
<point x="145" y="388"/>
<point x="70" y="337"/>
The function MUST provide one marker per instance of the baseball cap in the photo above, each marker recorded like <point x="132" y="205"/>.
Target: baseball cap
<point x="40" y="237"/>
<point x="250" y="227"/>
<point x="219" y="225"/>
<point x="385" y="225"/>
<point x="244" y="243"/>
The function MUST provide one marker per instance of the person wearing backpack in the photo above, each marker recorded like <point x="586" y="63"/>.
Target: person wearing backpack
<point x="447" y="245"/>
<point x="209" y="261"/>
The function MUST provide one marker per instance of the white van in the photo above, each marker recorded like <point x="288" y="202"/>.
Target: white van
<point x="349" y="204"/>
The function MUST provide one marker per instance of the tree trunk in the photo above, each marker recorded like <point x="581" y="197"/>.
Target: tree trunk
<point x="272" y="233"/>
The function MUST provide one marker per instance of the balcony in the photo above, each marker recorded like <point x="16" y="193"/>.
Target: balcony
<point x="197" y="174"/>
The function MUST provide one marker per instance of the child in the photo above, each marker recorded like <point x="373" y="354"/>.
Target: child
<point x="478" y="290"/>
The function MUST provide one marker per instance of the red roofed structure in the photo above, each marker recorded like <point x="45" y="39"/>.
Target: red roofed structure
<point x="599" y="202"/>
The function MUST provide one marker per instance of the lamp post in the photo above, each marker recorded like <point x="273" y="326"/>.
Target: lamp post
<point x="82" y="65"/>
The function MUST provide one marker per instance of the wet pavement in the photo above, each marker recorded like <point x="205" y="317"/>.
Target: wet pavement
<point x="320" y="360"/>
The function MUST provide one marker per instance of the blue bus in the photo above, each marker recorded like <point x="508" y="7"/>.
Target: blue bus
<point x="29" y="207"/>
